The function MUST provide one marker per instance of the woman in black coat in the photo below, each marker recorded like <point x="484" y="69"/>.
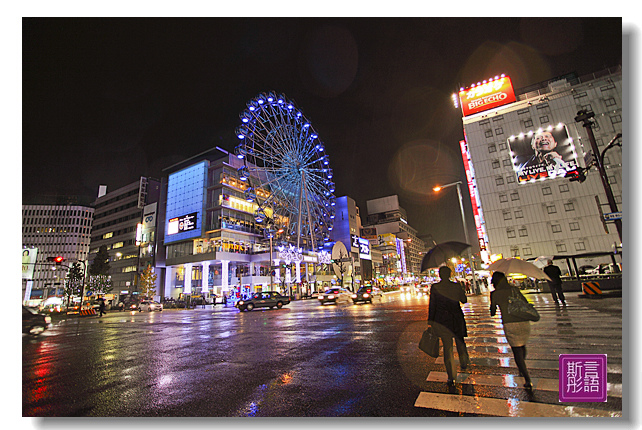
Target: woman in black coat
<point x="517" y="331"/>
<point x="447" y="320"/>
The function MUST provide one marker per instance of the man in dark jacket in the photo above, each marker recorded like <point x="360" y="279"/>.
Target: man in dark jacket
<point x="555" y="284"/>
<point x="447" y="320"/>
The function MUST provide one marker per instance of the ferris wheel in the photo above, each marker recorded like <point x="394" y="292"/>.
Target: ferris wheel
<point x="286" y="170"/>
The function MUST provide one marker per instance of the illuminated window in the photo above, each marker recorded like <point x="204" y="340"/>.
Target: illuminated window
<point x="108" y="235"/>
<point x="117" y="245"/>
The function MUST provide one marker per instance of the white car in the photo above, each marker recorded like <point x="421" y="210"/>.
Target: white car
<point x="149" y="305"/>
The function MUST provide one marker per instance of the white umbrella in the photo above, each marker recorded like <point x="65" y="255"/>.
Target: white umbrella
<point x="542" y="261"/>
<point x="515" y="265"/>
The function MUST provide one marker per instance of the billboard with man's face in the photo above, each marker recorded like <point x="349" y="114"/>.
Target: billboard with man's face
<point x="542" y="154"/>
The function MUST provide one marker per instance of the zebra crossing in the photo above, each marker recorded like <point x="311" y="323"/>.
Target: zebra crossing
<point x="491" y="386"/>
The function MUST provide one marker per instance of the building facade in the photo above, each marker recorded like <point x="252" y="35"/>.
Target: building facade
<point x="124" y="222"/>
<point x="527" y="208"/>
<point x="52" y="231"/>
<point x="213" y="243"/>
<point x="395" y="236"/>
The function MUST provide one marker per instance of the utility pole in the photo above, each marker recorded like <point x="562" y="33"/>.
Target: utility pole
<point x="584" y="117"/>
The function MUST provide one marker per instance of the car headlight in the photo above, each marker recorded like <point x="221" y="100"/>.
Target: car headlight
<point x="241" y="302"/>
<point x="320" y="297"/>
<point x="354" y="296"/>
<point x="366" y="295"/>
<point x="48" y="319"/>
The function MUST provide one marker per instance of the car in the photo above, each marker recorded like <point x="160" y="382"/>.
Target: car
<point x="423" y="290"/>
<point x="407" y="289"/>
<point x="264" y="299"/>
<point x="149" y="305"/>
<point x="586" y="269"/>
<point x="366" y="294"/>
<point x="34" y="322"/>
<point x="335" y="295"/>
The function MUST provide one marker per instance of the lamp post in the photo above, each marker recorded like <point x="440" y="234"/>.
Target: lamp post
<point x="463" y="221"/>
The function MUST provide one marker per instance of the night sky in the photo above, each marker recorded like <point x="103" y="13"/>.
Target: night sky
<point x="107" y="100"/>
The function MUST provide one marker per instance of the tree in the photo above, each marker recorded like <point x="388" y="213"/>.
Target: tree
<point x="148" y="282"/>
<point x="342" y="264"/>
<point x="75" y="280"/>
<point x="100" y="265"/>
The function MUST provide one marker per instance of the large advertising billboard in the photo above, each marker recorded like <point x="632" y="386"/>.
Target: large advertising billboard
<point x="489" y="95"/>
<point x="185" y="201"/>
<point x="543" y="154"/>
<point x="29" y="257"/>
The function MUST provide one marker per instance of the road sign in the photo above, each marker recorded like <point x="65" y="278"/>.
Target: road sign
<point x="612" y="216"/>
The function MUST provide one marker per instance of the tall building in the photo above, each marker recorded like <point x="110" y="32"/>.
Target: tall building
<point x="525" y="205"/>
<point x="52" y="231"/>
<point x="388" y="218"/>
<point x="124" y="222"/>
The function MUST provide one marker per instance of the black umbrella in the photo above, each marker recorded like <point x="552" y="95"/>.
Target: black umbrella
<point x="441" y="253"/>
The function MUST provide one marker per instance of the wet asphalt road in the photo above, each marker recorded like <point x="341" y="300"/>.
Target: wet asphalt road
<point x="303" y="360"/>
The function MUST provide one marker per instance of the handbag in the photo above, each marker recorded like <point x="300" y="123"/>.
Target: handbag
<point x="429" y="343"/>
<point x="519" y="307"/>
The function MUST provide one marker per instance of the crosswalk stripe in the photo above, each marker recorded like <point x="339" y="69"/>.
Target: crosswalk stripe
<point x="512" y="381"/>
<point x="530" y="364"/>
<point x="504" y="407"/>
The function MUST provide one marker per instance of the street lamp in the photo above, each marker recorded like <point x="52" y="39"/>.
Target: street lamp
<point x="463" y="221"/>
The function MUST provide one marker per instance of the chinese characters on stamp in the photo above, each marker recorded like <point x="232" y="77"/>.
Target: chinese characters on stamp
<point x="582" y="378"/>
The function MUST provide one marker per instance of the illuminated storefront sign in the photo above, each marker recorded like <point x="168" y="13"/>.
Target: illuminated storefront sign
<point x="182" y="223"/>
<point x="475" y="201"/>
<point x="543" y="154"/>
<point x="489" y="95"/>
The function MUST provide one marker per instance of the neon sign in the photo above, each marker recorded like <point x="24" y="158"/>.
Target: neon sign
<point x="489" y="95"/>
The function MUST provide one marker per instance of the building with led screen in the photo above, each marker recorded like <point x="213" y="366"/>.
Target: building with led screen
<point x="214" y="242"/>
<point x="520" y="150"/>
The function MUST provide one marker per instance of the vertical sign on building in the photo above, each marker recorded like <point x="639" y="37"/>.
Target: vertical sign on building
<point x="480" y="224"/>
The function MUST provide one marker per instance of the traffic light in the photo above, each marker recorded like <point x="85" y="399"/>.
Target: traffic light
<point x="577" y="175"/>
<point x="58" y="260"/>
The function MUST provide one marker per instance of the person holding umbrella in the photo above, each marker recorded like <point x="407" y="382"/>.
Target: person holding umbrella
<point x="517" y="331"/>
<point x="447" y="320"/>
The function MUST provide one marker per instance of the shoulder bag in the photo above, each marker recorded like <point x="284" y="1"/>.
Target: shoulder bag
<point x="519" y="307"/>
<point x="429" y="343"/>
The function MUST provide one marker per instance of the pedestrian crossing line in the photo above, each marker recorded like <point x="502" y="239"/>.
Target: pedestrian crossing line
<point x="504" y="407"/>
<point x="512" y="381"/>
<point x="530" y="363"/>
<point x="535" y="353"/>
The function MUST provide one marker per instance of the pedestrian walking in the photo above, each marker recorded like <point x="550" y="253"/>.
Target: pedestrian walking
<point x="101" y="307"/>
<point x="447" y="320"/>
<point x="555" y="283"/>
<point x="224" y="300"/>
<point x="517" y="331"/>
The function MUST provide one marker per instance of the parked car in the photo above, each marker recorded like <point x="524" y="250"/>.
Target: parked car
<point x="366" y="294"/>
<point x="149" y="305"/>
<point x="34" y="322"/>
<point x="265" y="299"/>
<point x="586" y="270"/>
<point x="335" y="295"/>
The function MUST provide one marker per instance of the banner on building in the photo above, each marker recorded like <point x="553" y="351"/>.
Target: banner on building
<point x="29" y="256"/>
<point x="543" y="154"/>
